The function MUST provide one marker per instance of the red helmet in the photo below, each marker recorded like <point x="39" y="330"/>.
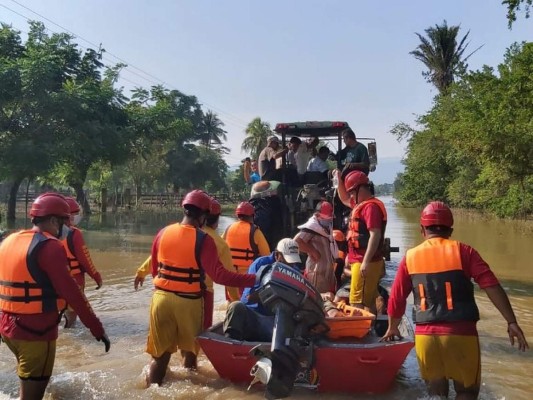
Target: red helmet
<point x="215" y="207"/>
<point x="50" y="204"/>
<point x="324" y="210"/>
<point x="197" y="198"/>
<point x="245" y="208"/>
<point x="73" y="204"/>
<point x="355" y="179"/>
<point x="436" y="213"/>
<point x="338" y="236"/>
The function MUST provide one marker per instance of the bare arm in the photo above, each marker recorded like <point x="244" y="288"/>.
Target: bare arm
<point x="341" y="190"/>
<point x="499" y="298"/>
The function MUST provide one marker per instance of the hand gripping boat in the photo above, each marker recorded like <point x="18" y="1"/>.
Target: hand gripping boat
<point x="301" y="353"/>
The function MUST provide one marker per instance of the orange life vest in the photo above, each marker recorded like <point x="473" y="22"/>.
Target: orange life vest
<point x="441" y="290"/>
<point x="180" y="269"/>
<point x="240" y="238"/>
<point x="68" y="244"/>
<point x="24" y="287"/>
<point x="358" y="234"/>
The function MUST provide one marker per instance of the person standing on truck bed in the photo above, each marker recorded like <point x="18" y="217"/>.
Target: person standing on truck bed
<point x="267" y="160"/>
<point x="353" y="157"/>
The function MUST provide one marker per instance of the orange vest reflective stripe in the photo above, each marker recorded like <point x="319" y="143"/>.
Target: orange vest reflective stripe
<point x="240" y="239"/>
<point x="178" y="254"/>
<point x="68" y="244"/>
<point x="441" y="290"/>
<point x="24" y="287"/>
<point x="358" y="234"/>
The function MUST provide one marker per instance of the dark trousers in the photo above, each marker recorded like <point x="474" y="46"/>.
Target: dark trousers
<point x="243" y="323"/>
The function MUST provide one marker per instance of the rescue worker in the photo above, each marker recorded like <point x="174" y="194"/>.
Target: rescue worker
<point x="79" y="259"/>
<point x="224" y="254"/>
<point x="439" y="273"/>
<point x="35" y="284"/>
<point x="366" y="233"/>
<point x="245" y="239"/>
<point x="181" y="256"/>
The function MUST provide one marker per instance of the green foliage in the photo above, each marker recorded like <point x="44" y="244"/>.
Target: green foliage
<point x="442" y="54"/>
<point x="475" y="146"/>
<point x="257" y="133"/>
<point x="62" y="120"/>
<point x="513" y="6"/>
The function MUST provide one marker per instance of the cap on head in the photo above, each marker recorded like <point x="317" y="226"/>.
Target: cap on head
<point x="73" y="204"/>
<point x="216" y="209"/>
<point x="50" y="204"/>
<point x="436" y="213"/>
<point x="290" y="250"/>
<point x="245" y="208"/>
<point x="324" y="210"/>
<point x="355" y="179"/>
<point x="272" y="139"/>
<point x="197" y="198"/>
<point x="338" y="236"/>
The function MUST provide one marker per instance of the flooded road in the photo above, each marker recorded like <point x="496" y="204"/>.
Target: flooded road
<point x="119" y="243"/>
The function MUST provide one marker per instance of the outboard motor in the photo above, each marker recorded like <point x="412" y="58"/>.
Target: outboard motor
<point x="298" y="310"/>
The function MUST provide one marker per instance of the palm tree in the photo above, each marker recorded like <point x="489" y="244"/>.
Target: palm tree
<point x="442" y="55"/>
<point x="257" y="133"/>
<point x="211" y="130"/>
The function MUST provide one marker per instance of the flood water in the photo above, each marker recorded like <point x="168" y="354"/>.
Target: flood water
<point x="120" y="242"/>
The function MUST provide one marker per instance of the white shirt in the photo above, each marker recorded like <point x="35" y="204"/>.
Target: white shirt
<point x="302" y="158"/>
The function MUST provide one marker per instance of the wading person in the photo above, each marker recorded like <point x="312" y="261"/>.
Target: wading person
<point x="366" y="233"/>
<point x="439" y="273"/>
<point x="181" y="256"/>
<point x="79" y="259"/>
<point x="245" y="239"/>
<point x="35" y="282"/>
<point x="224" y="255"/>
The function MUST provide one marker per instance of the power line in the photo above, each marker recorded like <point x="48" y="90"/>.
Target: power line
<point x="237" y="119"/>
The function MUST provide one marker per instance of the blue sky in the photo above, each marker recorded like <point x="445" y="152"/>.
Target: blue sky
<point x="282" y="60"/>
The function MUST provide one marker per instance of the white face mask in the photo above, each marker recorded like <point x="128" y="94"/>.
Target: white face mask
<point x="64" y="232"/>
<point x="75" y="219"/>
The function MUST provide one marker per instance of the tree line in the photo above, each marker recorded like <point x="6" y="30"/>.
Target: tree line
<point x="474" y="147"/>
<point x="65" y="123"/>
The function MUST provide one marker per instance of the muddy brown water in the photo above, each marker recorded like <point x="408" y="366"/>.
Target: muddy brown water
<point x="120" y="242"/>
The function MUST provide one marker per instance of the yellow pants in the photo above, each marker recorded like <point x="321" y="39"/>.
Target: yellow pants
<point x="174" y="323"/>
<point x="35" y="359"/>
<point x="365" y="290"/>
<point x="450" y="357"/>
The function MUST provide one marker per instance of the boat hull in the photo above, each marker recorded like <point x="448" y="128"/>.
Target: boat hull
<point x="352" y="366"/>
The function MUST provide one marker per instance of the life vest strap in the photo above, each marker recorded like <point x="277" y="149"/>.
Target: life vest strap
<point x="181" y="270"/>
<point x="189" y="279"/>
<point x="20" y="285"/>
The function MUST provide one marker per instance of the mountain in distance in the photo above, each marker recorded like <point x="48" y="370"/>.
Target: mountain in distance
<point x="386" y="170"/>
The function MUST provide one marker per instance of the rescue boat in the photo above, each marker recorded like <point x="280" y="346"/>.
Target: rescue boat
<point x="332" y="350"/>
<point x="342" y="365"/>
